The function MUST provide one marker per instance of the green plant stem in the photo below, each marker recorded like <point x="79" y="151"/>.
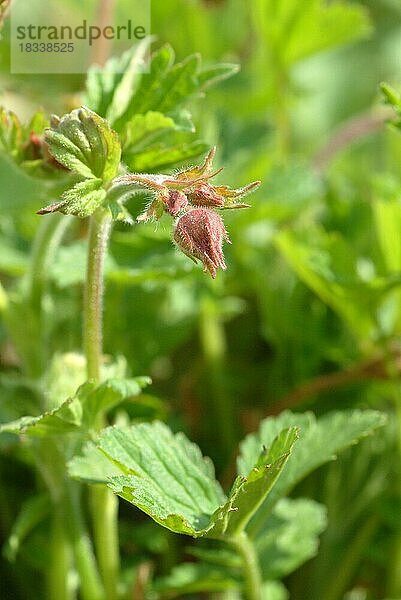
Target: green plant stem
<point x="99" y="231"/>
<point x="90" y="583"/>
<point x="221" y="424"/>
<point x="253" y="589"/>
<point x="47" y="240"/>
<point x="58" y="573"/>
<point x="104" y="504"/>
<point x="31" y="339"/>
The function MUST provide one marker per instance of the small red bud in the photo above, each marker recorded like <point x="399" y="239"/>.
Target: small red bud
<point x="200" y="233"/>
<point x="176" y="201"/>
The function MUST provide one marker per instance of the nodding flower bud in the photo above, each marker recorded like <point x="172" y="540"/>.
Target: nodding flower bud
<point x="190" y="198"/>
<point x="200" y="233"/>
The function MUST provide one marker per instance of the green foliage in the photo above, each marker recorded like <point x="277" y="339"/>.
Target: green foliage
<point x="320" y="440"/>
<point x="167" y="477"/>
<point x="290" y="536"/>
<point x="80" y="411"/>
<point x="393" y="98"/>
<point x="164" y="90"/>
<point x="328" y="265"/>
<point x="149" y="110"/>
<point x="295" y="30"/>
<point x="307" y="314"/>
<point x="288" y="539"/>
<point x="84" y="144"/>
<point x="33" y="511"/>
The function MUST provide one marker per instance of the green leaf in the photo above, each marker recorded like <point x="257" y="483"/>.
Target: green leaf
<point x="194" y="578"/>
<point x="288" y="539"/>
<point x="391" y="97"/>
<point x="158" y="157"/>
<point x="66" y="418"/>
<point x="109" y="88"/>
<point x="80" y="410"/>
<point x="93" y="466"/>
<point x="33" y="511"/>
<point x="109" y="394"/>
<point x="198" y="578"/>
<point x="85" y="144"/>
<point x="125" y="87"/>
<point x="290" y="536"/>
<point x="166" y="87"/>
<point x="142" y="129"/>
<point x="319" y="442"/>
<point x="387" y="216"/>
<point x="169" y="86"/>
<point x="81" y="200"/>
<point x="328" y="265"/>
<point x="215" y="73"/>
<point x="249" y="493"/>
<point x="179" y="84"/>
<point x="11" y="133"/>
<point x="67" y="153"/>
<point x="166" y="476"/>
<point x="297" y="29"/>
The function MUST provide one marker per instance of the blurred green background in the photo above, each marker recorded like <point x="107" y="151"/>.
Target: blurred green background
<point x="308" y="314"/>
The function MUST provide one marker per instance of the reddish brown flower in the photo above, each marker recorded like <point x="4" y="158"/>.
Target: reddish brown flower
<point x="200" y="233"/>
<point x="192" y="200"/>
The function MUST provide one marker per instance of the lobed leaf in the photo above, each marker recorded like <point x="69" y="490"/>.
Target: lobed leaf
<point x="78" y="412"/>
<point x="167" y="86"/>
<point x="320" y="441"/>
<point x="290" y="536"/>
<point x="166" y="476"/>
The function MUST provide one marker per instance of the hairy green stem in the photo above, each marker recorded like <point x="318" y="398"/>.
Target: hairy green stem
<point x="104" y="504"/>
<point x="99" y="231"/>
<point x="253" y="589"/>
<point x="90" y="583"/>
<point x="59" y="587"/>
